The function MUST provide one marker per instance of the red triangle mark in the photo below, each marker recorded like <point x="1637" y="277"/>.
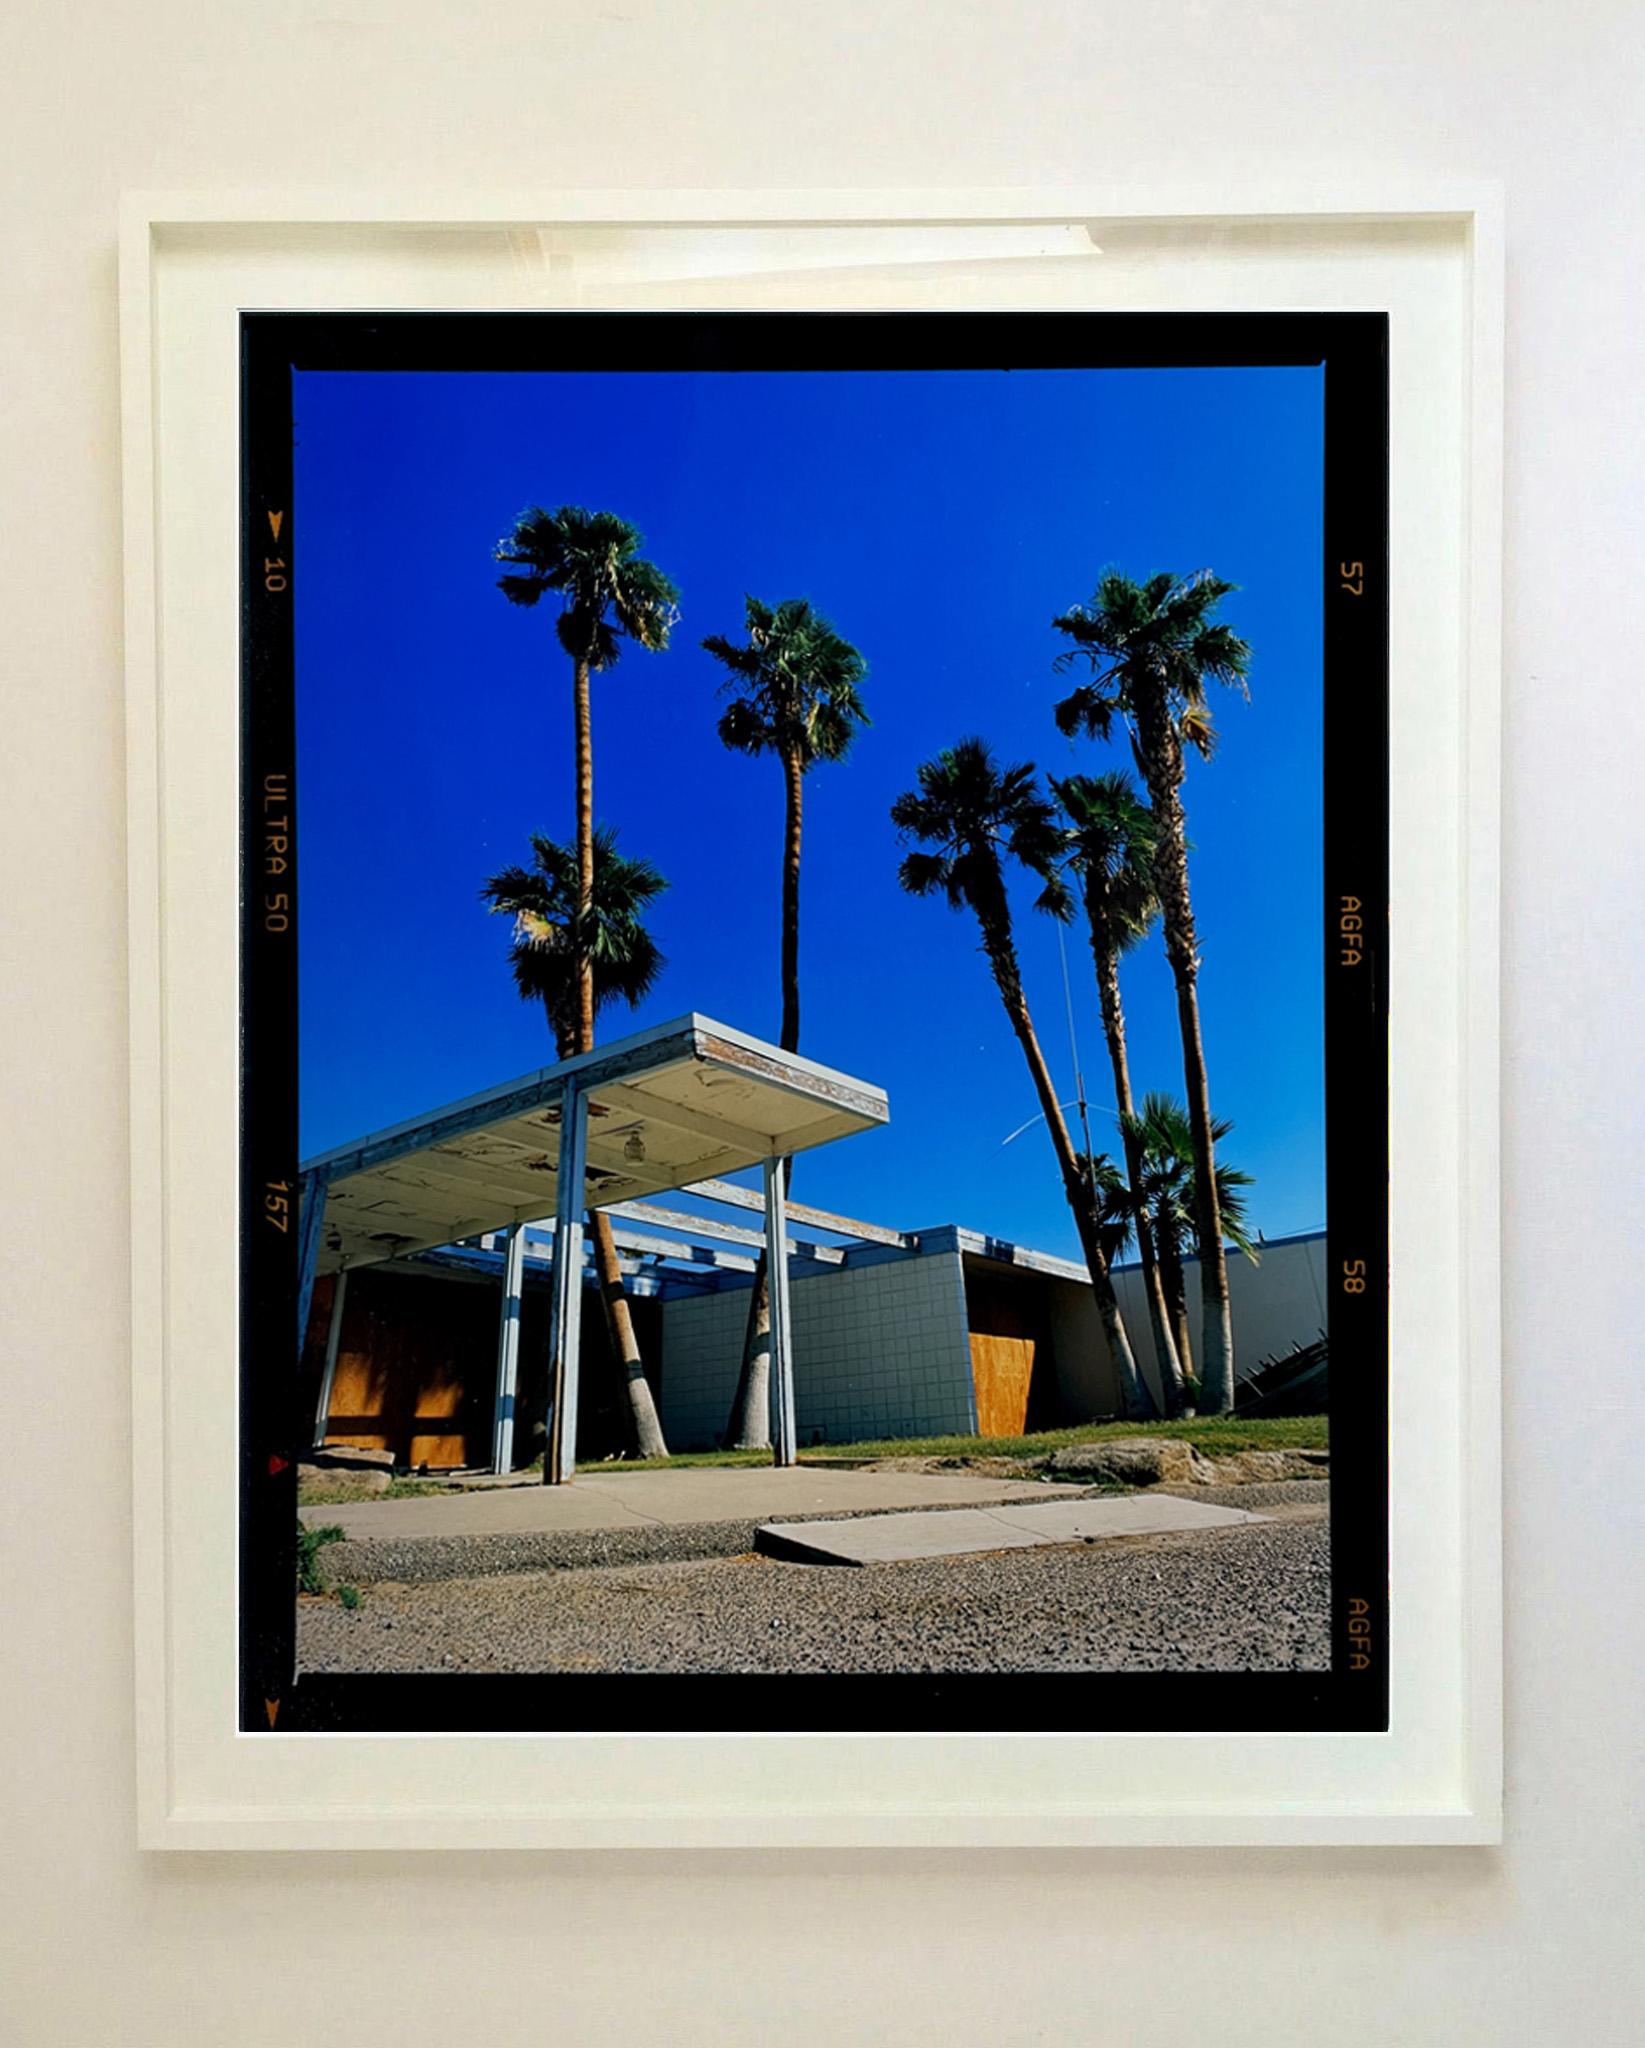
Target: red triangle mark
<point x="272" y="1708"/>
<point x="276" y="1463"/>
<point x="275" y="520"/>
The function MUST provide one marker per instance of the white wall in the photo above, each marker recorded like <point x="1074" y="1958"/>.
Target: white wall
<point x="1087" y="1383"/>
<point x="879" y="1350"/>
<point x="1469" y="1949"/>
<point x="1276" y="1304"/>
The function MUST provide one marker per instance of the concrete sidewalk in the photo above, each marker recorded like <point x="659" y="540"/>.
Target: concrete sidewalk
<point x="958" y="1532"/>
<point x="664" y="1499"/>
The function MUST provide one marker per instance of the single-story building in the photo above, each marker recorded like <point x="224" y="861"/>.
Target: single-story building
<point x="895" y="1334"/>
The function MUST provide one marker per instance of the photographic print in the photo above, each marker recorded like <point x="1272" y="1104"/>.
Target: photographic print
<point x="814" y="1085"/>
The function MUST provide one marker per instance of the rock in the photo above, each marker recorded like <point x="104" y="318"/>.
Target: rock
<point x="1254" y="1468"/>
<point x="1136" y="1461"/>
<point x="339" y="1483"/>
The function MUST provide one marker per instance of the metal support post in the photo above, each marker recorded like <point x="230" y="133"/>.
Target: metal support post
<point x="566" y="1310"/>
<point x="508" y="1351"/>
<point x="311" y="1211"/>
<point x="334" y="1331"/>
<point x="783" y="1446"/>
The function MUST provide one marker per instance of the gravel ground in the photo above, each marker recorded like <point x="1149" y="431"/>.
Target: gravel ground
<point x="421" y="1559"/>
<point x="1251" y="1598"/>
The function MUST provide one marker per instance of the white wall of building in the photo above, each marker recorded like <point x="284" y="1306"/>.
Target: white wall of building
<point x="1086" y="1379"/>
<point x="879" y="1350"/>
<point x="1277" y="1304"/>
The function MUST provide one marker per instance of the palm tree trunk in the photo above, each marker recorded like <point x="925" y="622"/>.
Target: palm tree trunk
<point x="1161" y="752"/>
<point x="585" y="852"/>
<point x="749" y="1427"/>
<point x="1217" y="1324"/>
<point x="649" y="1440"/>
<point x="1113" y="1025"/>
<point x="1175" y="1286"/>
<point x="1002" y="957"/>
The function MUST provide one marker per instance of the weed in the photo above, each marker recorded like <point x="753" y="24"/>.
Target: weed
<point x="310" y="1542"/>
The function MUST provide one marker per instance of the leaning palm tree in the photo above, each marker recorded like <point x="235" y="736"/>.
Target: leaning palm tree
<point x="608" y="592"/>
<point x="974" y="815"/>
<point x="1110" y="855"/>
<point x="542" y="900"/>
<point x="1169" y="1197"/>
<point x="1152" y="648"/>
<point x="794" y="687"/>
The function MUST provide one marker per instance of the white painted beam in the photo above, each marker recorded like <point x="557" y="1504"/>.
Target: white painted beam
<point x="819" y="1219"/>
<point x="731" y="1233"/>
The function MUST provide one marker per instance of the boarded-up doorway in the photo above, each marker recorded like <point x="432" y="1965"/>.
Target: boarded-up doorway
<point x="1012" y="1367"/>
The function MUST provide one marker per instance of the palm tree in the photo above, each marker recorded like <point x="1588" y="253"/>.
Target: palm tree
<point x="1110" y="842"/>
<point x="608" y="593"/>
<point x="1169" y="1196"/>
<point x="1152" y="648"/>
<point x="975" y="815"/>
<point x="1116" y="1208"/>
<point x="542" y="900"/>
<point x="796" y="695"/>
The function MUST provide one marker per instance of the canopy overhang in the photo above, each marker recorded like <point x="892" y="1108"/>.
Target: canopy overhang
<point x="686" y="1101"/>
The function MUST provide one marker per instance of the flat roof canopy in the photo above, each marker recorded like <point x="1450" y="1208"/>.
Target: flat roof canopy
<point x="682" y="1102"/>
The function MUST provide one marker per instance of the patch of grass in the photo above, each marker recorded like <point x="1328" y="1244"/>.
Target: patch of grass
<point x="1215" y="1435"/>
<point x="310" y="1542"/>
<point x="318" y="1493"/>
<point x="349" y="1597"/>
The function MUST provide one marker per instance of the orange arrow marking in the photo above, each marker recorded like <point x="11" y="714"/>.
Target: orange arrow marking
<point x="273" y="1707"/>
<point x="275" y="521"/>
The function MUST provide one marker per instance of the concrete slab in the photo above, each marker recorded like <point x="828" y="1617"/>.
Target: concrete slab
<point x="892" y="1539"/>
<point x="633" y="1500"/>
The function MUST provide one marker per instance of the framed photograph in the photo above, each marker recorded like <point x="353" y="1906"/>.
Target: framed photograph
<point x="813" y="1020"/>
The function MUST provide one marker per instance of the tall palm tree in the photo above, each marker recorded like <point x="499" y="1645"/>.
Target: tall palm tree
<point x="795" y="685"/>
<point x="1110" y="854"/>
<point x="1152" y="648"/>
<point x="608" y="592"/>
<point x="543" y="902"/>
<point x="975" y="815"/>
<point x="1170" y="1198"/>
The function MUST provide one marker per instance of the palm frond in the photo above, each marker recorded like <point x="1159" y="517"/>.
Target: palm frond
<point x="796" y="681"/>
<point x="592" y="560"/>
<point x="550" y="933"/>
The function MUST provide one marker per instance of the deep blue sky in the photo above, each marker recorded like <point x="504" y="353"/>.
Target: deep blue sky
<point x="940" y="520"/>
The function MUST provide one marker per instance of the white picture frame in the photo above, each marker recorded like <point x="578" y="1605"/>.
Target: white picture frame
<point x="1433" y="261"/>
